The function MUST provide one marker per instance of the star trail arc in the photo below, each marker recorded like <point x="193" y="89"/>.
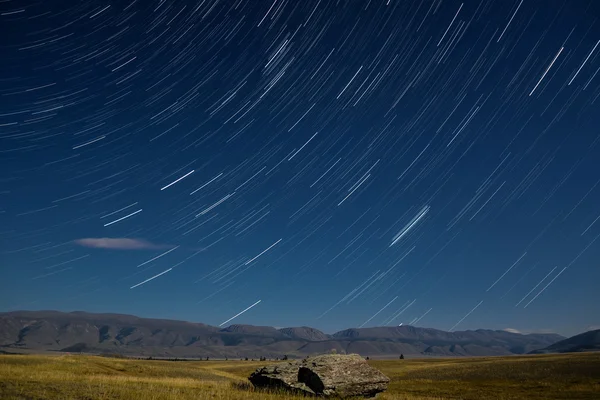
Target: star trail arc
<point x="330" y="158"/>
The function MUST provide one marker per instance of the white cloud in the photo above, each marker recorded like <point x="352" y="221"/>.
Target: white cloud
<point x="592" y="328"/>
<point x="511" y="330"/>
<point x="118" y="243"/>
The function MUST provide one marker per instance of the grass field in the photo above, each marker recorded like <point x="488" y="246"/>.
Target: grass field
<point x="79" y="377"/>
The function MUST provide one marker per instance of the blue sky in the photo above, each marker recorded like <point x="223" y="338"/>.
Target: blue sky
<point x="347" y="164"/>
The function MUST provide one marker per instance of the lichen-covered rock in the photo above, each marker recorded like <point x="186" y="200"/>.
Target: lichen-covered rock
<point x="333" y="375"/>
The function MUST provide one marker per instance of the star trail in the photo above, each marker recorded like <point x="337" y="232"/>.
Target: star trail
<point x="349" y="163"/>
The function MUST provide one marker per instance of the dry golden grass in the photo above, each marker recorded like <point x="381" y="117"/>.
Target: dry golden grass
<point x="36" y="377"/>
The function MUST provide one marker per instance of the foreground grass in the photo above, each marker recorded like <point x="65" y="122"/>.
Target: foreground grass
<point x="35" y="377"/>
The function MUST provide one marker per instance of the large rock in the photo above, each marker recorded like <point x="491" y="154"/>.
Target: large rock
<point x="328" y="375"/>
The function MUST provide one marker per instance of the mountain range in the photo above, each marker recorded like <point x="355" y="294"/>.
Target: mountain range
<point x="133" y="336"/>
<point x="587" y="341"/>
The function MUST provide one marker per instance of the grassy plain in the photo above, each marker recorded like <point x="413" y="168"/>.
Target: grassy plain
<point x="36" y="377"/>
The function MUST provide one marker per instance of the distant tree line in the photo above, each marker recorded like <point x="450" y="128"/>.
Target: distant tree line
<point x="151" y="358"/>
<point x="207" y="358"/>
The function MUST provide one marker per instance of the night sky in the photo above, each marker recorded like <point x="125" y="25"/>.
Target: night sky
<point x="326" y="163"/>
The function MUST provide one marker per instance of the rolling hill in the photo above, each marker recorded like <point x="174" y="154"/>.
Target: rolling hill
<point x="134" y="336"/>
<point x="587" y="341"/>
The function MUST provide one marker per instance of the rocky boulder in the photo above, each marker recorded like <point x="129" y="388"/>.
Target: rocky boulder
<point x="333" y="375"/>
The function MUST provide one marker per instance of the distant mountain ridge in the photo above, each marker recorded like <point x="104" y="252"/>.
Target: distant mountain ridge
<point x="587" y="341"/>
<point x="131" y="335"/>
